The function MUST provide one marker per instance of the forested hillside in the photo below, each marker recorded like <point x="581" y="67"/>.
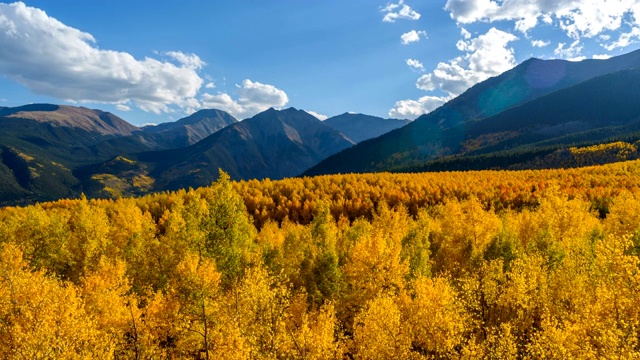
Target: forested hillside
<point x="538" y="100"/>
<point x="542" y="156"/>
<point x="491" y="264"/>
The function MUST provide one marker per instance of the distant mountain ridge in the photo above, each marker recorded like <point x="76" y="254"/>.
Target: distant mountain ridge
<point x="191" y="129"/>
<point x="273" y="144"/>
<point x="520" y="118"/>
<point x="360" y="127"/>
<point x="41" y="145"/>
<point x="92" y="121"/>
<point x="422" y="140"/>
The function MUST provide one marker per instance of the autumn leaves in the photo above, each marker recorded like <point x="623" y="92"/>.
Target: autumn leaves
<point x="455" y="265"/>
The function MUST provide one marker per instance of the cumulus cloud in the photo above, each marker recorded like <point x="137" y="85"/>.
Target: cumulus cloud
<point x="415" y="64"/>
<point x="57" y="60"/>
<point x="317" y="115"/>
<point x="190" y="61"/>
<point x="399" y="10"/>
<point x="412" y="36"/>
<point x="210" y="85"/>
<point x="578" y="18"/>
<point x="411" y="109"/>
<point x="253" y="97"/>
<point x="465" y="33"/>
<point x="571" y="52"/>
<point x="625" y="39"/>
<point x="485" y="56"/>
<point x="601" y="56"/>
<point x="540" y="43"/>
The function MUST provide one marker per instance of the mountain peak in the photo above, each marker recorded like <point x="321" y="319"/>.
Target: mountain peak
<point x="93" y="121"/>
<point x="360" y="127"/>
<point x="193" y="128"/>
<point x="445" y="130"/>
<point x="272" y="110"/>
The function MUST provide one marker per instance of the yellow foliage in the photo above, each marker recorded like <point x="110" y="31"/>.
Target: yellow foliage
<point x="379" y="332"/>
<point x="43" y="319"/>
<point x="497" y="265"/>
<point x="434" y="316"/>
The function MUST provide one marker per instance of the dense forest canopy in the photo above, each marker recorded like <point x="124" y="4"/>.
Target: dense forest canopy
<point x="495" y="264"/>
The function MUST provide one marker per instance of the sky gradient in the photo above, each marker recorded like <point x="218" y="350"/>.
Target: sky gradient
<point x="156" y="63"/>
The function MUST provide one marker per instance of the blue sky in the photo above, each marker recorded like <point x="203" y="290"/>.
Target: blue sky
<point x="156" y="62"/>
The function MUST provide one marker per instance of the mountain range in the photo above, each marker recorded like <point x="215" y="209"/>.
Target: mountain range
<point x="361" y="127"/>
<point x="273" y="144"/>
<point x="445" y="131"/>
<point x="54" y="151"/>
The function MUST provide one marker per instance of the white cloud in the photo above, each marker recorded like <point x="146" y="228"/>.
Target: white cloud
<point x="601" y="56"/>
<point x="399" y="10"/>
<point x="253" y="97"/>
<point x="486" y="55"/>
<point x="412" y="36"/>
<point x="411" y="109"/>
<point x="415" y="64"/>
<point x="54" y="59"/>
<point x="317" y="115"/>
<point x="222" y="101"/>
<point x="210" y="85"/>
<point x="625" y="39"/>
<point x="540" y="43"/>
<point x="578" y="18"/>
<point x="123" y="107"/>
<point x="465" y="34"/>
<point x="190" y="61"/>
<point x="572" y="53"/>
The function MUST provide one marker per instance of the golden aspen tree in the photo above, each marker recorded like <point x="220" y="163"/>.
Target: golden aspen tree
<point x="229" y="230"/>
<point x="434" y="317"/>
<point x="41" y="318"/>
<point x="624" y="215"/>
<point x="500" y="344"/>
<point x="323" y="277"/>
<point x="378" y="332"/>
<point x="313" y="332"/>
<point x="197" y="289"/>
<point x="163" y="323"/>
<point x="271" y="240"/>
<point x="416" y="246"/>
<point x="465" y="232"/>
<point x="43" y="235"/>
<point x="132" y="238"/>
<point x="373" y="267"/>
<point x="615" y="316"/>
<point x="106" y="292"/>
<point x="89" y="238"/>
<point x="260" y="305"/>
